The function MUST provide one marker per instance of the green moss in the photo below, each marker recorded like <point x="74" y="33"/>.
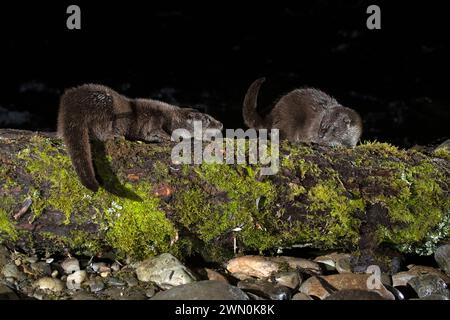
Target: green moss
<point x="138" y="229"/>
<point x="442" y="153"/>
<point x="245" y="207"/>
<point x="329" y="196"/>
<point x="419" y="206"/>
<point x="7" y="229"/>
<point x="47" y="165"/>
<point x="381" y="148"/>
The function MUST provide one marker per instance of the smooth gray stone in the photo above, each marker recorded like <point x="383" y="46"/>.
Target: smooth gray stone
<point x="202" y="290"/>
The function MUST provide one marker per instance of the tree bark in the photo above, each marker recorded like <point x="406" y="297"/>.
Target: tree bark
<point x="360" y="199"/>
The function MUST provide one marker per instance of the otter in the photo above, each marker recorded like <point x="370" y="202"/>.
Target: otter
<point x="96" y="112"/>
<point x="305" y="115"/>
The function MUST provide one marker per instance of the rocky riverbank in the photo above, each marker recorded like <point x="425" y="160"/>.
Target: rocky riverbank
<point x="250" y="277"/>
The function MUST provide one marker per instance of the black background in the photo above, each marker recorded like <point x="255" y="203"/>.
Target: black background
<point x="205" y="54"/>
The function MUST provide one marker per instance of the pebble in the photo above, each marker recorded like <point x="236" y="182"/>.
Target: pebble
<point x="55" y="273"/>
<point x="301" y="296"/>
<point x="130" y="280"/>
<point x="41" y="268"/>
<point x="290" y="279"/>
<point x="150" y="292"/>
<point x="11" y="271"/>
<point x="49" y="260"/>
<point x="442" y="257"/>
<point x="202" y="290"/>
<point x="75" y="280"/>
<point x="50" y="284"/>
<point x="265" y="289"/>
<point x="354" y="294"/>
<point x="343" y="265"/>
<point x="252" y="266"/>
<point x="115" y="267"/>
<point x="112" y="281"/>
<point x="165" y="270"/>
<point x="435" y="297"/>
<point x="263" y="267"/>
<point x="32" y="259"/>
<point x="329" y="260"/>
<point x="298" y="263"/>
<point x="96" y="285"/>
<point x="402" y="278"/>
<point x="214" y="275"/>
<point x="314" y="287"/>
<point x="428" y="285"/>
<point x="99" y="267"/>
<point x="70" y="265"/>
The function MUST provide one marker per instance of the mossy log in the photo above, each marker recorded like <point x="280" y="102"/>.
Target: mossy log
<point x="357" y="199"/>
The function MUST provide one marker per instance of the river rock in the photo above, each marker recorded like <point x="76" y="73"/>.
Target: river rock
<point x="314" y="287"/>
<point x="402" y="278"/>
<point x="202" y="290"/>
<point x="442" y="257"/>
<point x="290" y="279"/>
<point x="263" y="267"/>
<point x="41" y="268"/>
<point x="435" y="297"/>
<point x="301" y="296"/>
<point x="96" y="284"/>
<point x="265" y="289"/>
<point x="428" y="285"/>
<point x="165" y="270"/>
<point x="48" y="283"/>
<point x="343" y="265"/>
<point x="252" y="266"/>
<point x="354" y="294"/>
<point x="70" y="265"/>
<point x="329" y="260"/>
<point x="10" y="271"/>
<point x="75" y="280"/>
<point x="115" y="282"/>
<point x="298" y="263"/>
<point x="214" y="275"/>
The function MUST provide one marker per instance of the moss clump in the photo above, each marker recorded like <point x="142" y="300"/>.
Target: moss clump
<point x="243" y="203"/>
<point x="417" y="208"/>
<point x="7" y="229"/>
<point x="138" y="229"/>
<point x="48" y="165"/>
<point x="329" y="196"/>
<point x="442" y="153"/>
<point x="382" y="149"/>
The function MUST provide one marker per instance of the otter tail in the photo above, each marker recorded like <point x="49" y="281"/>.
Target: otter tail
<point x="76" y="138"/>
<point x="251" y="116"/>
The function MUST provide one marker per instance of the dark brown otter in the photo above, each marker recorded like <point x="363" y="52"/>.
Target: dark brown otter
<point x="97" y="112"/>
<point x="305" y="115"/>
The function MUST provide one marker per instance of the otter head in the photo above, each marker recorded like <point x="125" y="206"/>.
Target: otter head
<point x="340" y="126"/>
<point x="188" y="118"/>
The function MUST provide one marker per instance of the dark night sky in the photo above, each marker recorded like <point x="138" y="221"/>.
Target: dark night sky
<point x="207" y="55"/>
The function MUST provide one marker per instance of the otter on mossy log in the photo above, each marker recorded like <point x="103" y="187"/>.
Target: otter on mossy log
<point x="96" y="112"/>
<point x="305" y="115"/>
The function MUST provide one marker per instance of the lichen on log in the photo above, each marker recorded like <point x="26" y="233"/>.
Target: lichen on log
<point x="363" y="198"/>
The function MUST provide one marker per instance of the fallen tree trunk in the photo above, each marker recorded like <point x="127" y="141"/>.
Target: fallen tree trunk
<point x="358" y="199"/>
